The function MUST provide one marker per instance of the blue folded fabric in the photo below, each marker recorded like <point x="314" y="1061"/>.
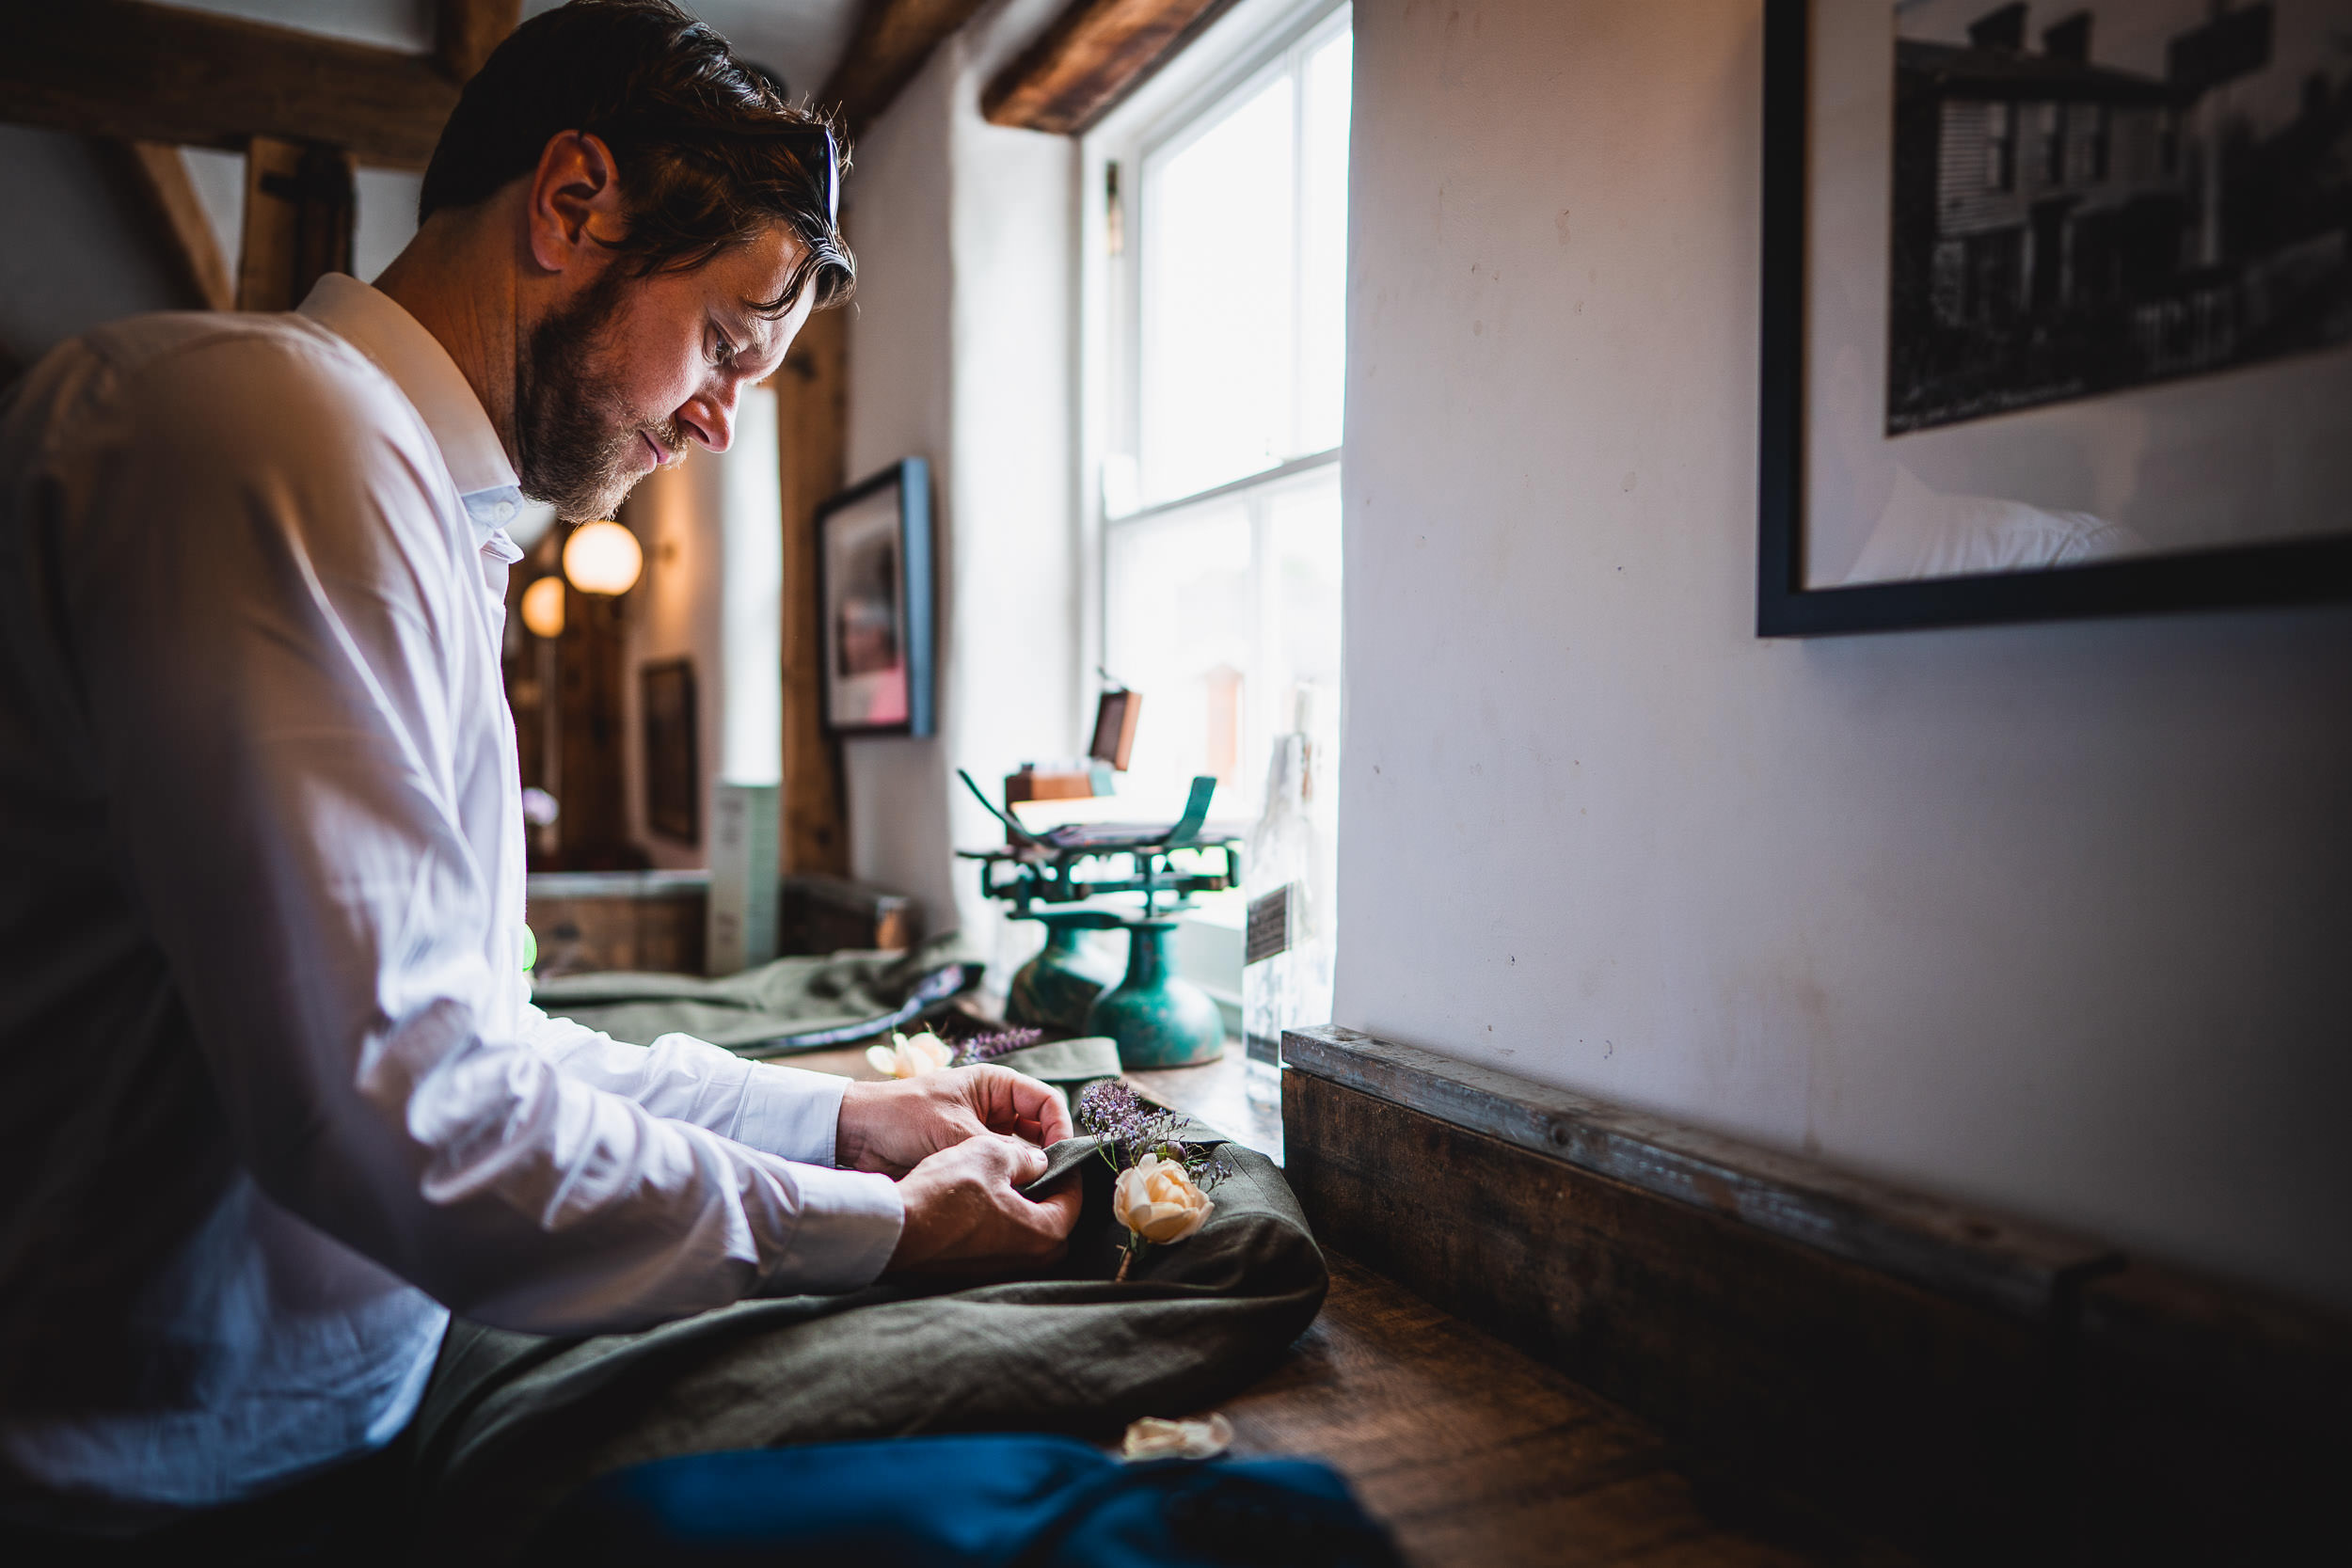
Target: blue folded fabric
<point x="997" y="1501"/>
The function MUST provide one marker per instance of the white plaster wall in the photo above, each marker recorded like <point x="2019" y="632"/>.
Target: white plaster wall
<point x="80" y="255"/>
<point x="960" y="352"/>
<point x="74" y="255"/>
<point x="2054" y="917"/>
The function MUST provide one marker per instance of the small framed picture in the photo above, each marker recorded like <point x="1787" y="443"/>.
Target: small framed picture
<point x="1115" y="717"/>
<point x="2057" y="310"/>
<point x="874" y="587"/>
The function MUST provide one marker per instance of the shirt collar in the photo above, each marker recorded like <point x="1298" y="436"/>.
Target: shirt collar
<point x="373" y="323"/>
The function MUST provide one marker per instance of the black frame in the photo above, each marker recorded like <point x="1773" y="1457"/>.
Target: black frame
<point x="667" y="701"/>
<point x="2300" y="572"/>
<point x="911" y="478"/>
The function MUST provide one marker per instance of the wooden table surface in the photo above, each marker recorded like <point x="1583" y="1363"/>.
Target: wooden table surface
<point x="1475" y="1454"/>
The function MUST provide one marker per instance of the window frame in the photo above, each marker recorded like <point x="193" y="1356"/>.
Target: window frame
<point x="1156" y="133"/>
<point x="1253" y="41"/>
<point x="1249" y="39"/>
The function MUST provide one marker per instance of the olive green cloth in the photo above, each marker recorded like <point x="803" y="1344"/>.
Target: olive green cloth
<point x="512" y="1423"/>
<point x="1078" y="1061"/>
<point x="789" y="996"/>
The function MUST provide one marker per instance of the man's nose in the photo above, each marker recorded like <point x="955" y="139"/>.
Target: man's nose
<point x="711" y="419"/>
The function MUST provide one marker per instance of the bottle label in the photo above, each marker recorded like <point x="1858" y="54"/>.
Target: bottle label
<point x="1270" y="930"/>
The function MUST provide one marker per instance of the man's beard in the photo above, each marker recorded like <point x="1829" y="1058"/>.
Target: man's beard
<point x="578" y="446"/>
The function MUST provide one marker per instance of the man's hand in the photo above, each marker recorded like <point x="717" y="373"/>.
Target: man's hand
<point x="894" y="1127"/>
<point x="965" y="1217"/>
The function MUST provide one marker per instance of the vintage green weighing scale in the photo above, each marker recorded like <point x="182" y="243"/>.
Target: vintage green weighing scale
<point x="1062" y="879"/>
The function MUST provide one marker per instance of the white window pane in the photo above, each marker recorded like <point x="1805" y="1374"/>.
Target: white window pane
<point x="1177" y="613"/>
<point x="1306" y="588"/>
<point x="1217" y="323"/>
<point x="1323" y="242"/>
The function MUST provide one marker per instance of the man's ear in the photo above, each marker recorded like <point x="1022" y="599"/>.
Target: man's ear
<point x="574" y="201"/>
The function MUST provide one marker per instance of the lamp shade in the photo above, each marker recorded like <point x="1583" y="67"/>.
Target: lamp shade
<point x="603" y="558"/>
<point x="542" y="607"/>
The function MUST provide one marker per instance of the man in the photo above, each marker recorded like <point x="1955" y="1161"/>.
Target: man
<point x="274" y="1102"/>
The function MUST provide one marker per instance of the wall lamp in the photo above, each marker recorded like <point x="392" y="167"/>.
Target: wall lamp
<point x="603" y="558"/>
<point x="542" y="607"/>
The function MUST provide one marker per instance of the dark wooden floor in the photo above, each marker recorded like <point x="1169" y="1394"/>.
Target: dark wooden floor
<point x="1478" y="1456"/>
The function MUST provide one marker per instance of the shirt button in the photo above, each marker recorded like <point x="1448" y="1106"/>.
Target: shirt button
<point x="506" y="510"/>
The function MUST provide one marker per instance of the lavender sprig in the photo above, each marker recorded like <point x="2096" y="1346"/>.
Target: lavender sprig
<point x="1130" y="1130"/>
<point x="999" y="1042"/>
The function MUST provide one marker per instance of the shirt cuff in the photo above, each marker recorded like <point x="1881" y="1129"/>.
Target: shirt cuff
<point x="848" y="1226"/>
<point x="791" y="1112"/>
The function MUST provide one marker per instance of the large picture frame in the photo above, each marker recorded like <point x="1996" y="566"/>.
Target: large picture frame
<point x="875" y="601"/>
<point x="1803" y="291"/>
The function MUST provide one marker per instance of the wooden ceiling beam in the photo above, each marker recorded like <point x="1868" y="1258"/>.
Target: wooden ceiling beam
<point x="1092" y="56"/>
<point x="156" y="178"/>
<point x="894" y="38"/>
<point x="150" y="72"/>
<point x="465" y="32"/>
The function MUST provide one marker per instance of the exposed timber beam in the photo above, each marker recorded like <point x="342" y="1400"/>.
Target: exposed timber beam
<point x="1091" y="55"/>
<point x="156" y="178"/>
<point x="465" y="32"/>
<point x="150" y="72"/>
<point x="893" y="37"/>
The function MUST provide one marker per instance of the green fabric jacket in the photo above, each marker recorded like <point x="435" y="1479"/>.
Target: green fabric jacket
<point x="512" y="1422"/>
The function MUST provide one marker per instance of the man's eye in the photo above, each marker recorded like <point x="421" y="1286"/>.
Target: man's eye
<point x="722" y="352"/>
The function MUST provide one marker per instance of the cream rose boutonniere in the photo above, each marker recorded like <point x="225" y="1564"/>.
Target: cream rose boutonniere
<point x="910" y="1058"/>
<point x="1161" y="1194"/>
<point x="1157" y="1201"/>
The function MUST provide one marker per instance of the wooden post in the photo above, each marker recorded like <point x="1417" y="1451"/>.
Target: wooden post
<point x="299" y="209"/>
<point x="587" y="756"/>
<point x="812" y="418"/>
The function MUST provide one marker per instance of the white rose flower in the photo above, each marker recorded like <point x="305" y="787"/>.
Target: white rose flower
<point x="1157" y="1201"/>
<point x="909" y="1058"/>
<point x="1157" y="1437"/>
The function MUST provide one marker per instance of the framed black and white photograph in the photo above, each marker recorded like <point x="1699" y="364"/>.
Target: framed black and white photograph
<point x="874" y="558"/>
<point x="665" y="690"/>
<point x="2057" y="309"/>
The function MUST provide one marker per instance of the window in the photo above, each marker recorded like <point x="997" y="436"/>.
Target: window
<point x="2054" y="144"/>
<point x="2000" y="147"/>
<point x="1224" y="321"/>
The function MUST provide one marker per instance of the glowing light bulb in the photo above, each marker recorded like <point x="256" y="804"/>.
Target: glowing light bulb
<point x="603" y="558"/>
<point x="542" y="607"/>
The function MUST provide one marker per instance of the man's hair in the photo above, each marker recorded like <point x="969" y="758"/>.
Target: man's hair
<point x="709" y="154"/>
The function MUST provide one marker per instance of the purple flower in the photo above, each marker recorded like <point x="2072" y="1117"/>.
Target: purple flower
<point x="999" y="1042"/>
<point x="1130" y="1130"/>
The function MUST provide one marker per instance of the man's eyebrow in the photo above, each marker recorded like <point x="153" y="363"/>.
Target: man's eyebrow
<point x="759" y="329"/>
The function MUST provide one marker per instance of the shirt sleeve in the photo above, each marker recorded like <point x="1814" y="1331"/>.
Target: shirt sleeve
<point x="284" y="676"/>
<point x="786" y="1111"/>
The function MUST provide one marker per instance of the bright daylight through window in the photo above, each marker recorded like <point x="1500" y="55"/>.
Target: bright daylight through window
<point x="1221" y="600"/>
<point x="1224" y="363"/>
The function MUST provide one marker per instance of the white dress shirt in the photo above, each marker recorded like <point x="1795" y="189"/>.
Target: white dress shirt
<point x="274" y="1099"/>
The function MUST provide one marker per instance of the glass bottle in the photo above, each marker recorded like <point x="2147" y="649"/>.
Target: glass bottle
<point x="1286" y="884"/>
